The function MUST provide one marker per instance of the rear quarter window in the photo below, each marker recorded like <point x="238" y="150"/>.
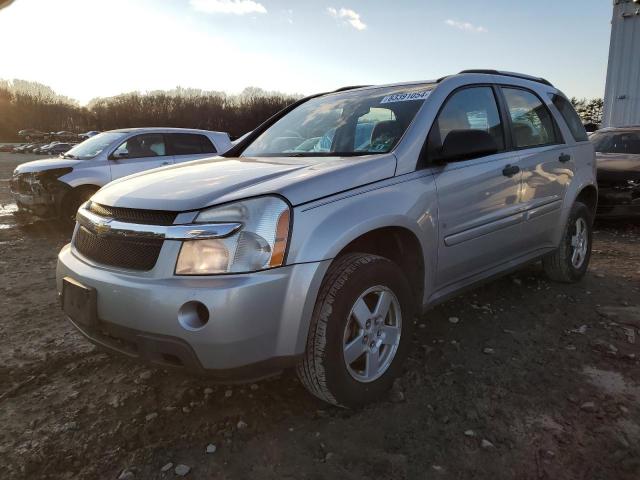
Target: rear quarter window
<point x="190" y="144"/>
<point x="571" y="118"/>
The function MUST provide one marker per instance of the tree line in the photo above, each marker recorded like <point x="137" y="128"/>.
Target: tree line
<point x="32" y="105"/>
<point x="590" y="111"/>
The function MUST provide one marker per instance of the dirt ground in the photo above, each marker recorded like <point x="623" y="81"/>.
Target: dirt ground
<point x="534" y="381"/>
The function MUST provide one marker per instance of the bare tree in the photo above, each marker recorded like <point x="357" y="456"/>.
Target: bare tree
<point x="32" y="105"/>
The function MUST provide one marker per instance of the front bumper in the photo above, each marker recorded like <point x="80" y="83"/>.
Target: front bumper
<point x="37" y="199"/>
<point x="258" y="322"/>
<point x="37" y="205"/>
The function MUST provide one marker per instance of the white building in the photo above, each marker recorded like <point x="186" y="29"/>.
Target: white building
<point x="622" y="93"/>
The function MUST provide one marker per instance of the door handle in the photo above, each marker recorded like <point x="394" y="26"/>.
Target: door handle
<point x="564" y="158"/>
<point x="510" y="170"/>
<point x="165" y="163"/>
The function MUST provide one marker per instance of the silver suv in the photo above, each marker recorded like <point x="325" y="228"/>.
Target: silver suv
<point x="315" y="241"/>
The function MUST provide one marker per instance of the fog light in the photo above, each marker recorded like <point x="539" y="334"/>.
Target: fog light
<point x="193" y="315"/>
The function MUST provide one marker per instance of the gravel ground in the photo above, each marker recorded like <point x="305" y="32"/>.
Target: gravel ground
<point x="534" y="380"/>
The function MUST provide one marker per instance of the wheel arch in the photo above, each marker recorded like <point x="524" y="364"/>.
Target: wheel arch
<point x="73" y="192"/>
<point x="589" y="196"/>
<point x="398" y="244"/>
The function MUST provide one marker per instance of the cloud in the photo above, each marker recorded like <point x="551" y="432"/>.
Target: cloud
<point x="234" y="7"/>
<point x="348" y="16"/>
<point x="466" y="26"/>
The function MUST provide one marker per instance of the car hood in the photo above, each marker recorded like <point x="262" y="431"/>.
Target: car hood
<point x="46" y="164"/>
<point x="201" y="183"/>
<point x="618" y="166"/>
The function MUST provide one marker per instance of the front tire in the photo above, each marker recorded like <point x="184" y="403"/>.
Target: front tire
<point x="570" y="261"/>
<point x="360" y="331"/>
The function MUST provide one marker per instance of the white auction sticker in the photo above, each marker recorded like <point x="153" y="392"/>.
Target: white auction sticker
<point x="406" y="97"/>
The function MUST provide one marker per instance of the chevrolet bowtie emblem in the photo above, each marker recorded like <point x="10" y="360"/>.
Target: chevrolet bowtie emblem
<point x="101" y="228"/>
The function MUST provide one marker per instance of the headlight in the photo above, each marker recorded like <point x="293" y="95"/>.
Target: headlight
<point x="261" y="243"/>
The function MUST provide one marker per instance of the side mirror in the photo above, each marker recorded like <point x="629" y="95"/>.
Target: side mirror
<point x="120" y="155"/>
<point x="466" y="144"/>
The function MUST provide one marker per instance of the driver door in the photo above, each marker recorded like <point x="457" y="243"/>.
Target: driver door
<point x="139" y="153"/>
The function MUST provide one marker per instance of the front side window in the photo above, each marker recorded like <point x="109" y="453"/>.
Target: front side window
<point x="472" y="108"/>
<point x="142" y="146"/>
<point x="190" y="144"/>
<point x="531" y="121"/>
<point x="357" y="122"/>
<point x="571" y="117"/>
<point x="617" y="142"/>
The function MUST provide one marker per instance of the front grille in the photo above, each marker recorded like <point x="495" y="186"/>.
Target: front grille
<point x="123" y="252"/>
<point x="133" y="215"/>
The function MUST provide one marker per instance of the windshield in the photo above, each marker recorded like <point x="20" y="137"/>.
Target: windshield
<point x="93" y="146"/>
<point x="617" y="142"/>
<point x="358" y="122"/>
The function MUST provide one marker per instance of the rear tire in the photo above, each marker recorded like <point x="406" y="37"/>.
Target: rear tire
<point x="570" y="261"/>
<point x="360" y="331"/>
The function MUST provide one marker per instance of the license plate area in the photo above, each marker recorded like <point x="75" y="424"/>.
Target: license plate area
<point x="79" y="302"/>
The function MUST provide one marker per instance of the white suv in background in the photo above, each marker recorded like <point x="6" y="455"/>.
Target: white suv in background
<point x="57" y="187"/>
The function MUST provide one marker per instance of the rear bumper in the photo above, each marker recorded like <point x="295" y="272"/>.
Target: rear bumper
<point x="618" y="203"/>
<point x="258" y="322"/>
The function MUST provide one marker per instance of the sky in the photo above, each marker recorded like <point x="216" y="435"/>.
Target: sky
<point x="90" y="48"/>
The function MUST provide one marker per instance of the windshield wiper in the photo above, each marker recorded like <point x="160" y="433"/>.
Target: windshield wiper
<point x="320" y="154"/>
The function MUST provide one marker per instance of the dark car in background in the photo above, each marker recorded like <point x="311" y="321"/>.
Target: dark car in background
<point x="59" y="148"/>
<point x="618" y="160"/>
<point x="44" y="149"/>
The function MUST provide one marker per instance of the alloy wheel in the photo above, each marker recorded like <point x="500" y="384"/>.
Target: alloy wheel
<point x="372" y="334"/>
<point x="579" y="243"/>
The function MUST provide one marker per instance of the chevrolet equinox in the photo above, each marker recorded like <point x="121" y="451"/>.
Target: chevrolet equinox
<point x="316" y="240"/>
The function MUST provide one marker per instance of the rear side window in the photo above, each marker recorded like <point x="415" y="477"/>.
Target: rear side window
<point x="571" y="117"/>
<point x="190" y="144"/>
<point x="531" y="121"/>
<point x="473" y="108"/>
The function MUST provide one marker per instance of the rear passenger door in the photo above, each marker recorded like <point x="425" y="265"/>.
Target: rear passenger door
<point x="479" y="214"/>
<point x="547" y="165"/>
<point x="190" y="146"/>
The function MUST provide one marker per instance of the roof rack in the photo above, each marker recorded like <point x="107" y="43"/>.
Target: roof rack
<point x="510" y="74"/>
<point x="350" y="87"/>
